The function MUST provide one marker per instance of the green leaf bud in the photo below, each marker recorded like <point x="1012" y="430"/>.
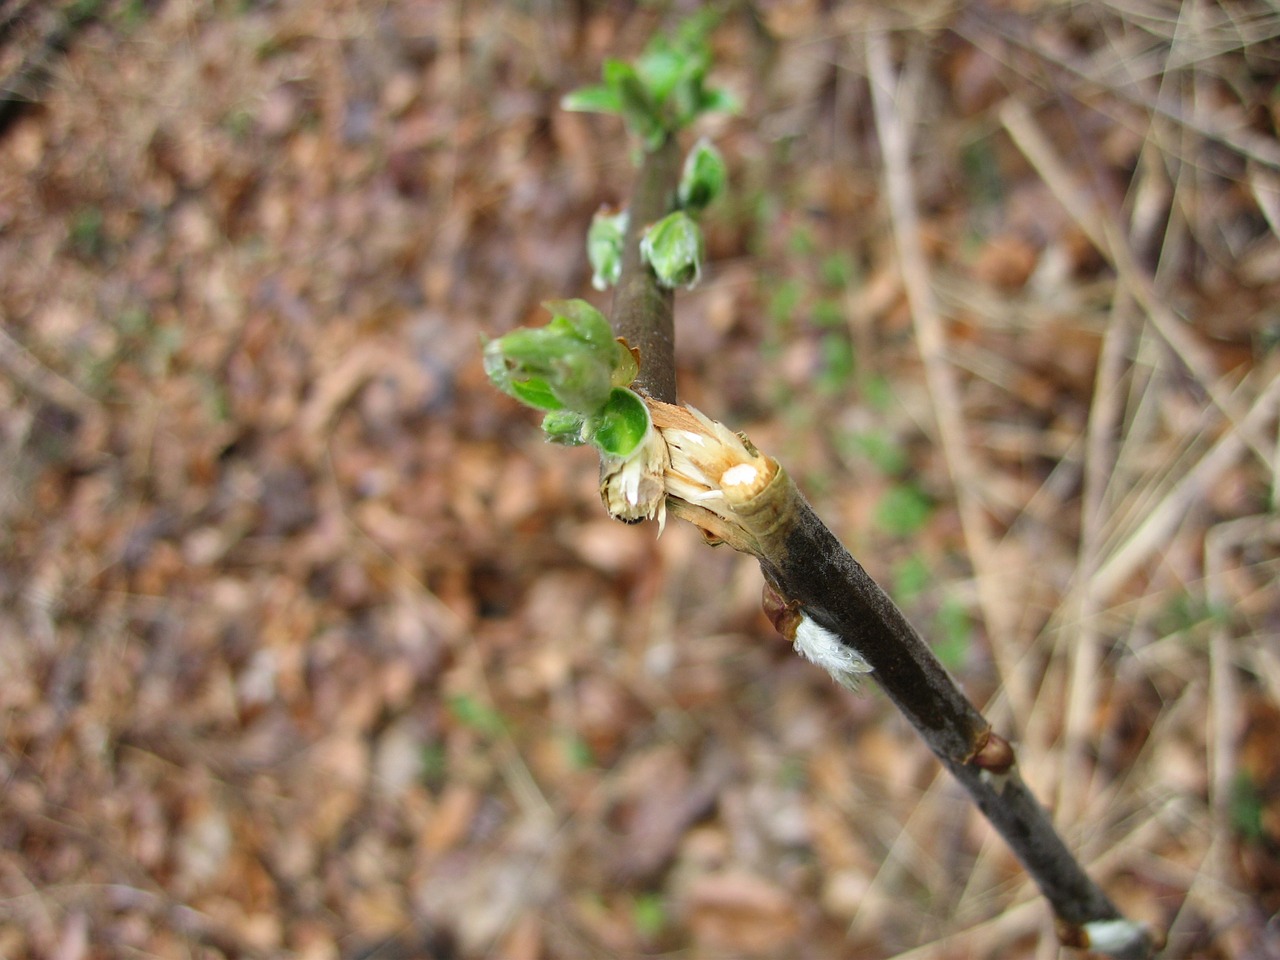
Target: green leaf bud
<point x="604" y="247"/>
<point x="570" y="363"/>
<point x="703" y="177"/>
<point x="674" y="248"/>
<point x="626" y="366"/>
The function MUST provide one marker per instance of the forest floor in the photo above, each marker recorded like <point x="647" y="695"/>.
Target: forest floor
<point x="310" y="647"/>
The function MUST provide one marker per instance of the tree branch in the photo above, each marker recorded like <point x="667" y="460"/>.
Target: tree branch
<point x="811" y="576"/>
<point x="642" y="310"/>
<point x="805" y="562"/>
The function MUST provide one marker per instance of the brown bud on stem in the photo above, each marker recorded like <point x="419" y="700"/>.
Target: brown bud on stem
<point x="784" y="616"/>
<point x="995" y="756"/>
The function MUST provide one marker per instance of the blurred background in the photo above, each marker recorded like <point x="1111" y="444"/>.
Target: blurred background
<point x="310" y="647"/>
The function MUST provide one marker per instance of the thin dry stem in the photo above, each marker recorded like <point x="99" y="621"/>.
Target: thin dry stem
<point x="26" y="369"/>
<point x="1083" y="651"/>
<point x="1163" y="520"/>
<point x="947" y="408"/>
<point x="1109" y="240"/>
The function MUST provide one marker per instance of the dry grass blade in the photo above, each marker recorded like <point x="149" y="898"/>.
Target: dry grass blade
<point x="1084" y="654"/>
<point x="1104" y="233"/>
<point x="892" y="116"/>
<point x="26" y="370"/>
<point x="1165" y="517"/>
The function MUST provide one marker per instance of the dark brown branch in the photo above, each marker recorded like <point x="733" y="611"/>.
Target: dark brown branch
<point x="810" y="574"/>
<point x="813" y="573"/>
<point x="811" y="566"/>
<point x="642" y="310"/>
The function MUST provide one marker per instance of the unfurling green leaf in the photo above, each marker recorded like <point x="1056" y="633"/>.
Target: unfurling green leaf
<point x="582" y="380"/>
<point x="537" y="393"/>
<point x="604" y="247"/>
<point x="598" y="99"/>
<point x="577" y="318"/>
<point x="703" y="177"/>
<point x="571" y="365"/>
<point x="622" y="425"/>
<point x="674" y="248"/>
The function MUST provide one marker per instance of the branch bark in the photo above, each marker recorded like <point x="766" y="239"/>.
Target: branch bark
<point x="643" y="310"/>
<point x="805" y="562"/>
<point x="814" y="576"/>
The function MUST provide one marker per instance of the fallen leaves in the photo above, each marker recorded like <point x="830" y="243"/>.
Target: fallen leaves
<point x="309" y="646"/>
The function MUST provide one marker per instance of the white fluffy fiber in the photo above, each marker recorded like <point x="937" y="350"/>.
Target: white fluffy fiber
<point x="1115" y="937"/>
<point x="819" y="645"/>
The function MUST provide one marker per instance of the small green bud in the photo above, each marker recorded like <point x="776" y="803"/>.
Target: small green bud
<point x="573" y="362"/>
<point x="674" y="248"/>
<point x="626" y="367"/>
<point x="604" y="247"/>
<point x="703" y="177"/>
<point x="565" y="427"/>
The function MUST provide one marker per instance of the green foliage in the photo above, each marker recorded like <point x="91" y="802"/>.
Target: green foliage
<point x="877" y="391"/>
<point x="435" y="765"/>
<point x="474" y="715"/>
<point x="838" y="271"/>
<point x="982" y="174"/>
<point x="574" y="369"/>
<point x="1187" y="611"/>
<point x="828" y="312"/>
<point x="801" y="242"/>
<point x="81" y="10"/>
<point x="649" y="914"/>
<point x="784" y="299"/>
<point x="674" y="248"/>
<point x="903" y="510"/>
<point x="664" y="90"/>
<point x="878" y="446"/>
<point x="88" y="234"/>
<point x="1247" y="806"/>
<point x="954" y="630"/>
<point x="837" y="362"/>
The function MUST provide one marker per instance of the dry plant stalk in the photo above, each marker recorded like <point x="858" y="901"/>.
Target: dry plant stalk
<point x="822" y="599"/>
